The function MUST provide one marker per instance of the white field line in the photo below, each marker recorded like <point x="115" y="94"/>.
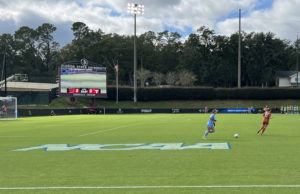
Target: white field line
<point x="15" y="136"/>
<point x="27" y="136"/>
<point x="111" y="129"/>
<point x="151" y="187"/>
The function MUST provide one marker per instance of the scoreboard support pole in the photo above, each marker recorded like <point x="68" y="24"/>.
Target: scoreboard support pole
<point x="94" y="102"/>
<point x="72" y="101"/>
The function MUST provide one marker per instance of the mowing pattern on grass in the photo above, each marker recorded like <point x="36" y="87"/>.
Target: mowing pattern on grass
<point x="269" y="162"/>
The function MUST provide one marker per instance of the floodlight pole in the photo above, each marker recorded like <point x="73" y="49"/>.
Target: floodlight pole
<point x="5" y="72"/>
<point x="135" y="9"/>
<point x="239" y="52"/>
<point x="134" y="61"/>
<point x="297" y="66"/>
<point x="117" y="82"/>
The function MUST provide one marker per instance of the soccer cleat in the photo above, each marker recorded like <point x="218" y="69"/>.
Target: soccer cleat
<point x="204" y="137"/>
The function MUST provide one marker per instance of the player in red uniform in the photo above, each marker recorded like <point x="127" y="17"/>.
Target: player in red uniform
<point x="266" y="117"/>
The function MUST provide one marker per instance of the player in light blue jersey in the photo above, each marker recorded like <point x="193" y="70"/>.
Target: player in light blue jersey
<point x="211" y="124"/>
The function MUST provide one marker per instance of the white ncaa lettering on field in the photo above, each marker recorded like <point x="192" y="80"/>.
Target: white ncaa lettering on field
<point x="133" y="146"/>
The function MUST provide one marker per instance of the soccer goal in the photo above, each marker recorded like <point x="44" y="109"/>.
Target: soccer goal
<point x="8" y="108"/>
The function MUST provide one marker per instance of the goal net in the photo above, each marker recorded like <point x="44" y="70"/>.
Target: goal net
<point x="8" y="108"/>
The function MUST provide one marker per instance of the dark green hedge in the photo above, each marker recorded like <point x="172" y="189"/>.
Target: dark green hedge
<point x="31" y="97"/>
<point x="156" y="94"/>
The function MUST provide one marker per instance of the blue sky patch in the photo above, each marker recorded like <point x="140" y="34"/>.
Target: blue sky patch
<point x="114" y="13"/>
<point x="80" y="4"/>
<point x="264" y="4"/>
<point x="187" y="30"/>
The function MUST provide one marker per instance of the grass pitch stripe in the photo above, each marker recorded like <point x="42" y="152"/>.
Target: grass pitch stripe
<point x="151" y="187"/>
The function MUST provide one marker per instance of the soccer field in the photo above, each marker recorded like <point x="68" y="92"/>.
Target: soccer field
<point x="250" y="164"/>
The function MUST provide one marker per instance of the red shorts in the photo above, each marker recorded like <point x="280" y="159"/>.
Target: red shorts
<point x="265" y="122"/>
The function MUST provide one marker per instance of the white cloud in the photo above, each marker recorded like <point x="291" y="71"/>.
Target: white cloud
<point x="282" y="19"/>
<point x="111" y="15"/>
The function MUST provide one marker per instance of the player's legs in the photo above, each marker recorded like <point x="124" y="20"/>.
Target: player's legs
<point x="210" y="129"/>
<point x="262" y="127"/>
<point x="265" y="126"/>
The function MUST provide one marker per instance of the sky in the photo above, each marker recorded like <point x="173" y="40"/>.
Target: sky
<point x="183" y="16"/>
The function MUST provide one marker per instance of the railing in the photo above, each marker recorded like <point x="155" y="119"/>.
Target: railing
<point x="15" y="77"/>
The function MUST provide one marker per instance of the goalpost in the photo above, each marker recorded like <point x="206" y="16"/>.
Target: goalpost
<point x="8" y="108"/>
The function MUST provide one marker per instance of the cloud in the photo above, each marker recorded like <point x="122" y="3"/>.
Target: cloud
<point x="184" y="16"/>
<point x="281" y="18"/>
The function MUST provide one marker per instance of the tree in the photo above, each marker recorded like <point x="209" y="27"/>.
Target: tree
<point x="146" y="49"/>
<point x="224" y="59"/>
<point x="207" y="37"/>
<point x="186" y="78"/>
<point x="166" y="37"/>
<point x="48" y="48"/>
<point x="211" y="58"/>
<point x="158" y="78"/>
<point x="81" y="40"/>
<point x="171" y="78"/>
<point x="168" y="51"/>
<point x="27" y="52"/>
<point x="7" y="45"/>
<point x="143" y="75"/>
<point x="26" y="38"/>
<point x="263" y="56"/>
<point x="206" y="47"/>
<point x="80" y="30"/>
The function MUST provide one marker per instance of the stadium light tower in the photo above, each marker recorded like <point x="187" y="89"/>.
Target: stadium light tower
<point x="297" y="64"/>
<point x="5" y="72"/>
<point x="239" y="52"/>
<point x="135" y="9"/>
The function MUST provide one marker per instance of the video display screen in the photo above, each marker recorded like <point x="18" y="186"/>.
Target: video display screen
<point x="82" y="81"/>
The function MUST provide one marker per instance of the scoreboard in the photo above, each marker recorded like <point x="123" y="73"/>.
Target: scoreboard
<point x="83" y="90"/>
<point x="82" y="81"/>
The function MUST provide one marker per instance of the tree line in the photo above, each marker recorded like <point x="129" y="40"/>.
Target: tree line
<point x="203" y="59"/>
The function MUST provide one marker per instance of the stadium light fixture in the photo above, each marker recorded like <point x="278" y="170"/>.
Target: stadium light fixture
<point x="135" y="9"/>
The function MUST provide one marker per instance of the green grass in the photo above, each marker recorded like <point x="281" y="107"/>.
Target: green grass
<point x="272" y="159"/>
<point x="83" y="103"/>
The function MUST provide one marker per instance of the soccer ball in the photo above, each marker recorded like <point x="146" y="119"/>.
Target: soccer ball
<point x="236" y="135"/>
